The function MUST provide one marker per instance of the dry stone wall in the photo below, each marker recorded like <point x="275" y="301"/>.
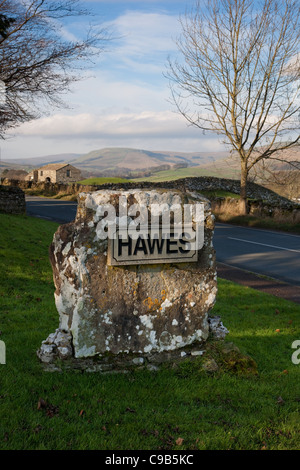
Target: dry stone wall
<point x="204" y="183"/>
<point x="210" y="183"/>
<point x="263" y="202"/>
<point x="50" y="188"/>
<point x="12" y="200"/>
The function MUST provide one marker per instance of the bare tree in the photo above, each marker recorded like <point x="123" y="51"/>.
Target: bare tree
<point x="37" y="60"/>
<point x="279" y="175"/>
<point x="238" y="76"/>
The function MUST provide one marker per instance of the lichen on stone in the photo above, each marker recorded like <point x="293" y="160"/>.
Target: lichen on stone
<point x="149" y="309"/>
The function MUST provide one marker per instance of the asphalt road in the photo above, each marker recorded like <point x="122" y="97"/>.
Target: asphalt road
<point x="273" y="254"/>
<point x="51" y="209"/>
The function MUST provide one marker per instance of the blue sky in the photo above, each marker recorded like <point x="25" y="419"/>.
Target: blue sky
<point x="124" y="101"/>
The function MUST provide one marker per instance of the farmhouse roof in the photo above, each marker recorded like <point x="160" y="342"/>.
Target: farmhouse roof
<point x="53" y="166"/>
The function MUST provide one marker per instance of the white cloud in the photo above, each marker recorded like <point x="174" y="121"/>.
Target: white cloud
<point x="116" y="126"/>
<point x="105" y="91"/>
<point x="82" y="133"/>
<point x="145" y="40"/>
<point x="125" y="103"/>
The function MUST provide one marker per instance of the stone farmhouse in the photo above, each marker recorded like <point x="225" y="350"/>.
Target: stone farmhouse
<point x="55" y="173"/>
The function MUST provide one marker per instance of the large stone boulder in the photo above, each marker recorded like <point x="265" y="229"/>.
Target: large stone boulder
<point x="138" y="310"/>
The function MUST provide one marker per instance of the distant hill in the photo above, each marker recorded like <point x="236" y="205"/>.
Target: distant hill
<point x="128" y="161"/>
<point x="8" y="165"/>
<point x="121" y="160"/>
<point x="29" y="164"/>
<point x="39" y="161"/>
<point x="140" y="163"/>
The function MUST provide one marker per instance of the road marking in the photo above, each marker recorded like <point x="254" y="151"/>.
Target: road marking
<point x="264" y="244"/>
<point x="221" y="225"/>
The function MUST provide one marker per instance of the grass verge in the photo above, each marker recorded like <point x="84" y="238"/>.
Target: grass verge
<point x="268" y="223"/>
<point x="184" y="408"/>
<point x="225" y="214"/>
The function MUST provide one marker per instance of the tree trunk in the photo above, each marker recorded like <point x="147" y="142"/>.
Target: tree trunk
<point x="243" y="192"/>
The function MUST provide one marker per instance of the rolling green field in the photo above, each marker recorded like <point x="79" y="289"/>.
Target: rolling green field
<point x="103" y="180"/>
<point x="181" y="408"/>
<point x="171" y="175"/>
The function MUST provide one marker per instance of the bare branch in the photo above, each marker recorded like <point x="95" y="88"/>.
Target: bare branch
<point x="37" y="63"/>
<point x="238" y="75"/>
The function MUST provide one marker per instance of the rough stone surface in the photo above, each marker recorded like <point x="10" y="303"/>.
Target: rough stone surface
<point x="216" y="327"/>
<point x="263" y="202"/>
<point x="137" y="314"/>
<point x="57" y="345"/>
<point x="12" y="200"/>
<point x="266" y="196"/>
<point x="210" y="365"/>
<point x="61" y="173"/>
<point x="263" y="197"/>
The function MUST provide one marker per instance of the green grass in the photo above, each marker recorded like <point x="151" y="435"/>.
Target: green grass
<point x="219" y="193"/>
<point x="103" y="180"/>
<point x="141" y="409"/>
<point x="170" y="175"/>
